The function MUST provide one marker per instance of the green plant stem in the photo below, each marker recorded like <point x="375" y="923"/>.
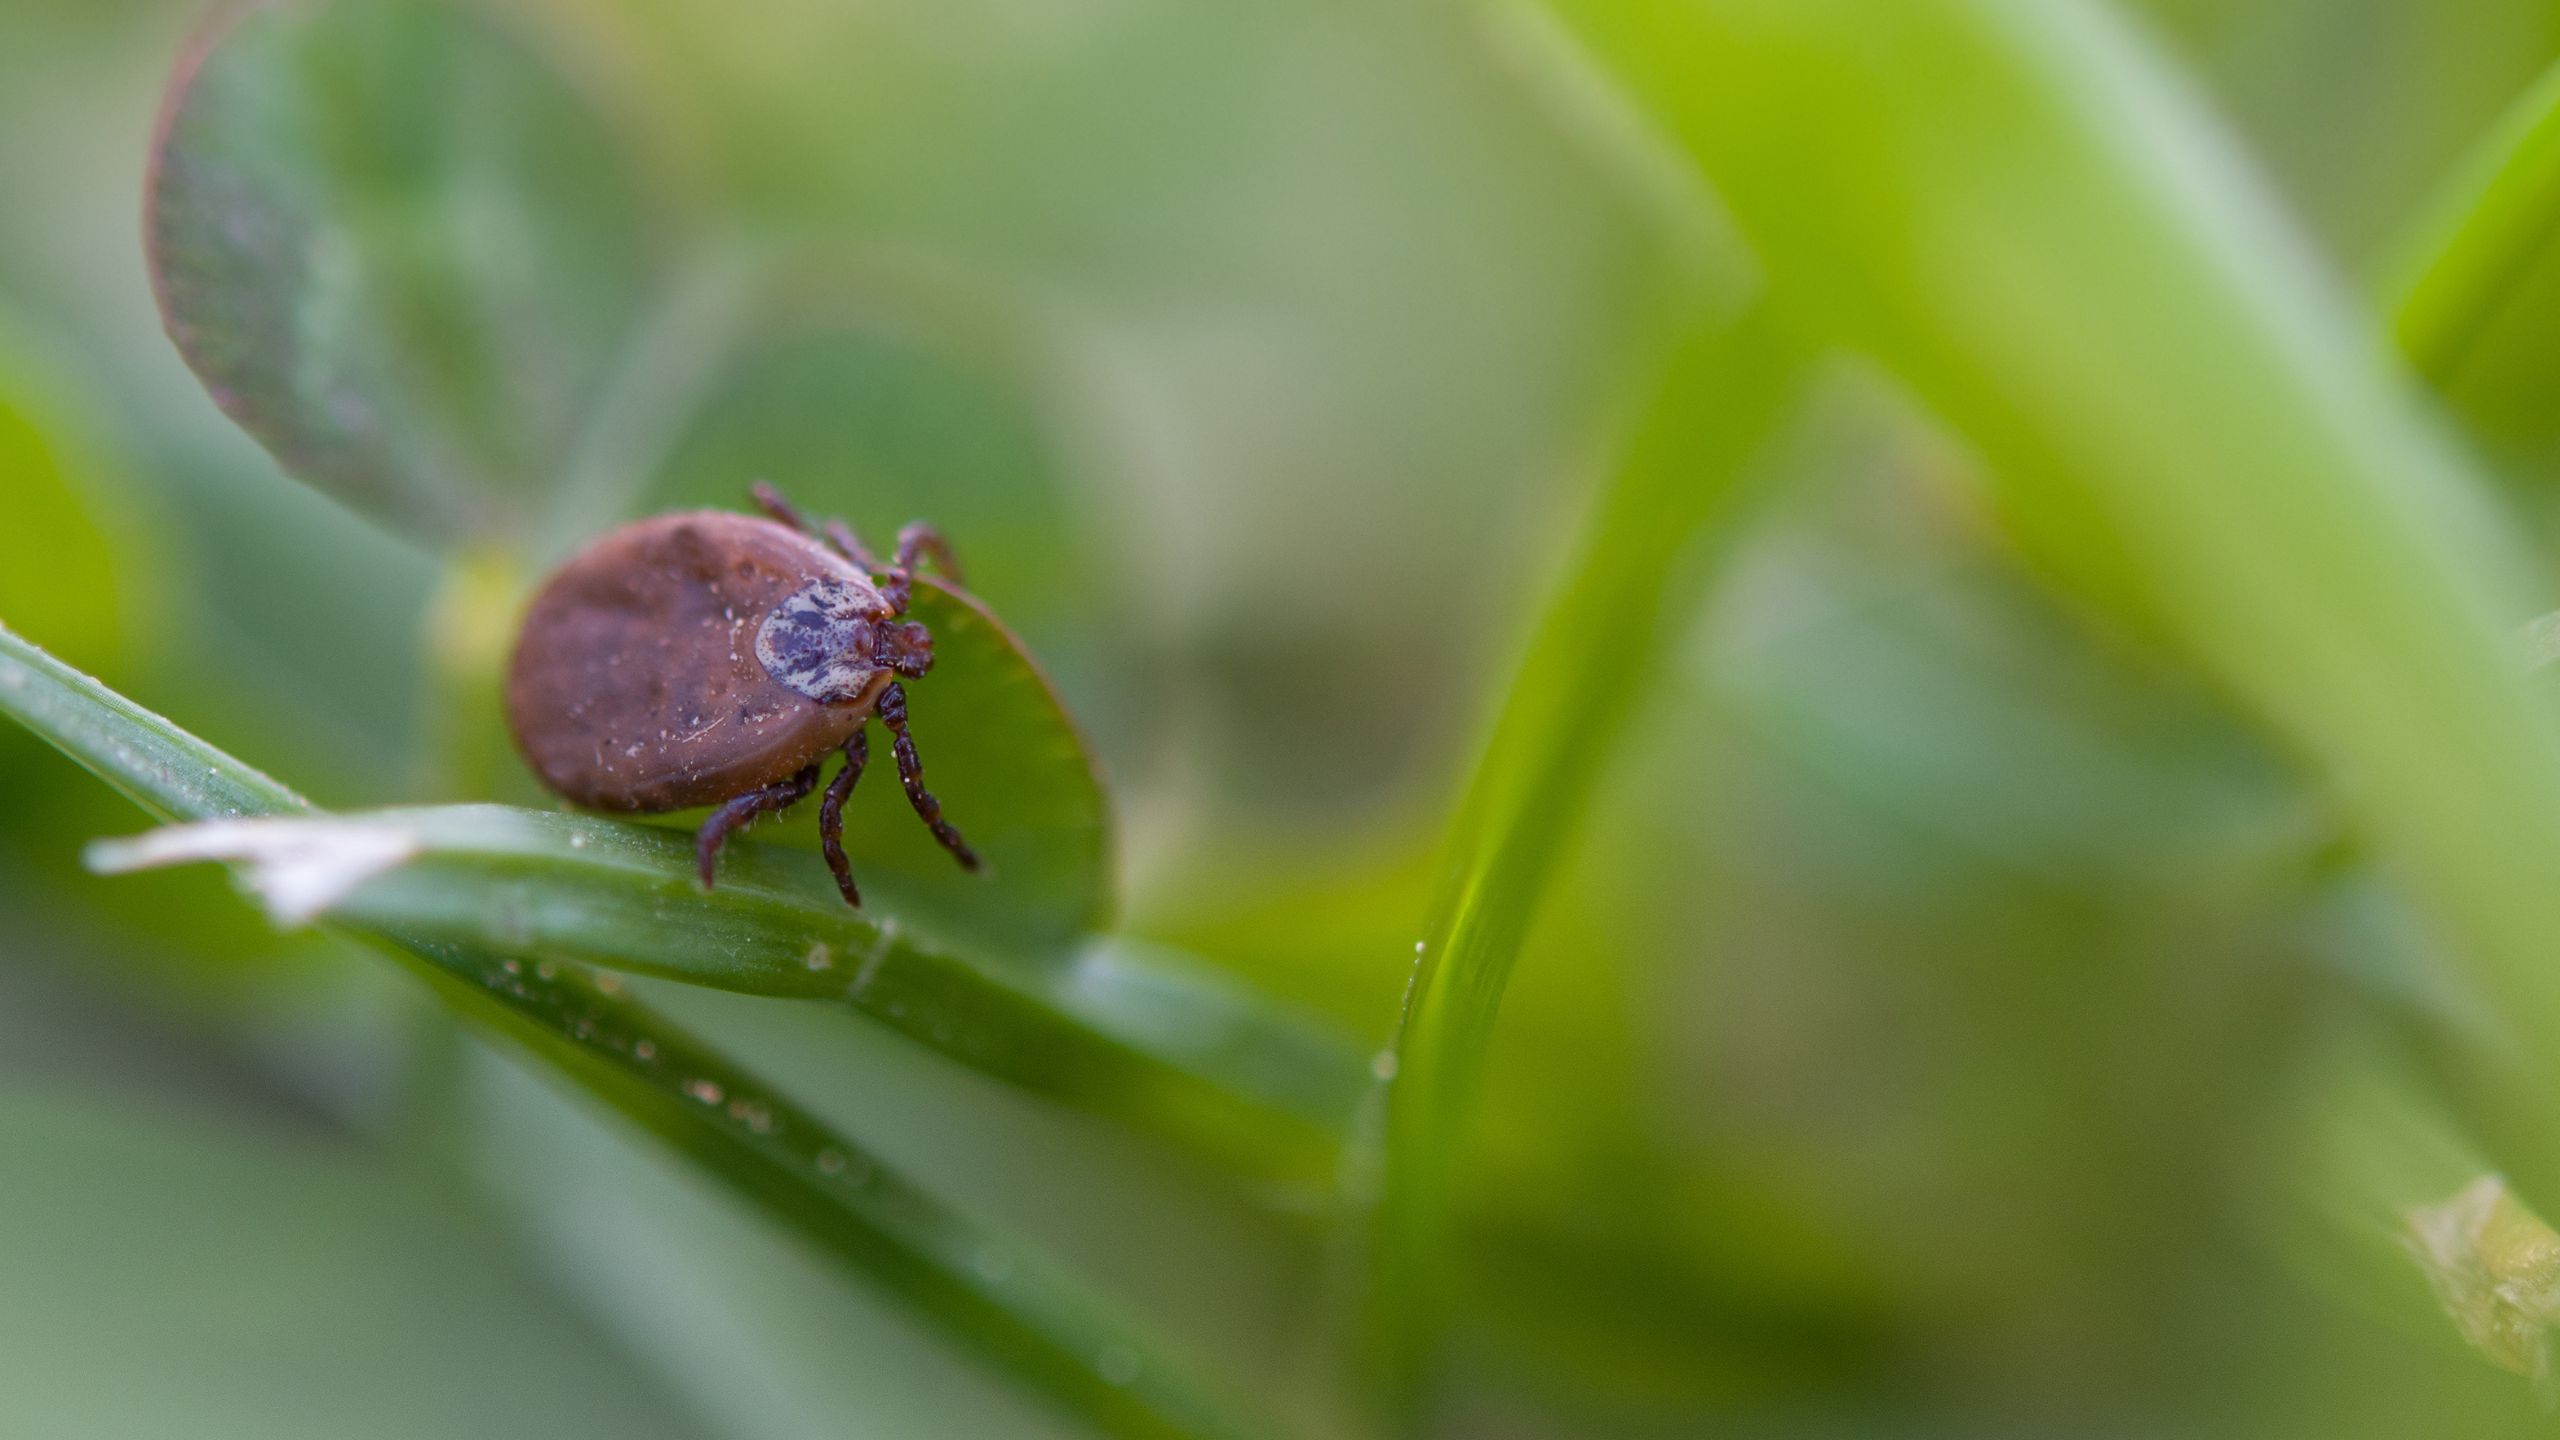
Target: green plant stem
<point x="1006" y="1308"/>
<point x="2478" y="238"/>
<point x="1672" y="503"/>
<point x="470" y="626"/>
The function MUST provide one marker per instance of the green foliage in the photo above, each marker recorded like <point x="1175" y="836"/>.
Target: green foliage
<point x="1955" y="917"/>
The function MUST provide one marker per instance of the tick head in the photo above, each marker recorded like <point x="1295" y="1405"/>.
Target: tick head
<point x="907" y="648"/>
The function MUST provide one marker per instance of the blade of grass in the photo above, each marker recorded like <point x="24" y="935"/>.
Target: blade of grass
<point x="1676" y="496"/>
<point x="2478" y="237"/>
<point x="1008" y="1310"/>
<point x="1180" y="1054"/>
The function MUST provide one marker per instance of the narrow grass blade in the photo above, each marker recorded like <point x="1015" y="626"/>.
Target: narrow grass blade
<point x="1178" y="1053"/>
<point x="1009" y="1310"/>
<point x="1677" y="494"/>
<point x="2478" y="239"/>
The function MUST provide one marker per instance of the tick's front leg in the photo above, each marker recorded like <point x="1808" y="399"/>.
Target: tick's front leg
<point x="920" y="541"/>
<point x="857" y="753"/>
<point x="892" y="711"/>
<point x="917" y="541"/>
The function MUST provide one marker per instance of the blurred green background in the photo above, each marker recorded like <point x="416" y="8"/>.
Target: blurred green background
<point x="1961" y="1011"/>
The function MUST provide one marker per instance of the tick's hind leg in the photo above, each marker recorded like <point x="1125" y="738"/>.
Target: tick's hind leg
<point x="735" y="814"/>
<point x="836" y="532"/>
<point x="892" y="711"/>
<point x="857" y="753"/>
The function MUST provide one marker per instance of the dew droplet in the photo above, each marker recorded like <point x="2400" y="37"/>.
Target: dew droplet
<point x="609" y="984"/>
<point x="706" y="1091"/>
<point x="547" y="970"/>
<point x="821" y="956"/>
<point x="645" y="1050"/>
<point x="1383" y="1065"/>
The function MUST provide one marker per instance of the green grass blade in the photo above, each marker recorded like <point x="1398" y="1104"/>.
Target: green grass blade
<point x="1006" y="1308"/>
<point x="2017" y="211"/>
<point x="2479" y="237"/>
<point x="1677" y="492"/>
<point x="156" y="765"/>
<point x="1202" y="1063"/>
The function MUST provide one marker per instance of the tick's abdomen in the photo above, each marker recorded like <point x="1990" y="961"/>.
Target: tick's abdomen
<point x="636" y="685"/>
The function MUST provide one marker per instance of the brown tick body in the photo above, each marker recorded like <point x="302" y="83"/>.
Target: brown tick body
<point x="709" y="658"/>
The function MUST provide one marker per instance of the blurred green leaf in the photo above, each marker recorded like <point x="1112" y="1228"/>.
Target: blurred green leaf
<point x="1006" y="1308"/>
<point x="1672" y="504"/>
<point x="399" y="251"/>
<point x="2473" y="295"/>
<point x="2027" y="221"/>
<point x="2469" y="252"/>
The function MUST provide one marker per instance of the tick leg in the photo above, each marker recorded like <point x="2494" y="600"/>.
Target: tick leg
<point x="857" y="753"/>
<point x="837" y="533"/>
<point x="892" y="711"/>
<point x="851" y="544"/>
<point x="922" y="541"/>
<point x="770" y="501"/>
<point x="917" y="541"/>
<point x="737" y="812"/>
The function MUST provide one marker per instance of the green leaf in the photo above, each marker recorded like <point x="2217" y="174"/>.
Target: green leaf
<point x="398" y="251"/>
<point x="1669" y="509"/>
<point x="2474" y="294"/>
<point x="2012" y="207"/>
<point x="1014" y="1314"/>
<point x="2476" y="245"/>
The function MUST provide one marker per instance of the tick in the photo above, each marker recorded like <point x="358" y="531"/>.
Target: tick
<point x="712" y="658"/>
